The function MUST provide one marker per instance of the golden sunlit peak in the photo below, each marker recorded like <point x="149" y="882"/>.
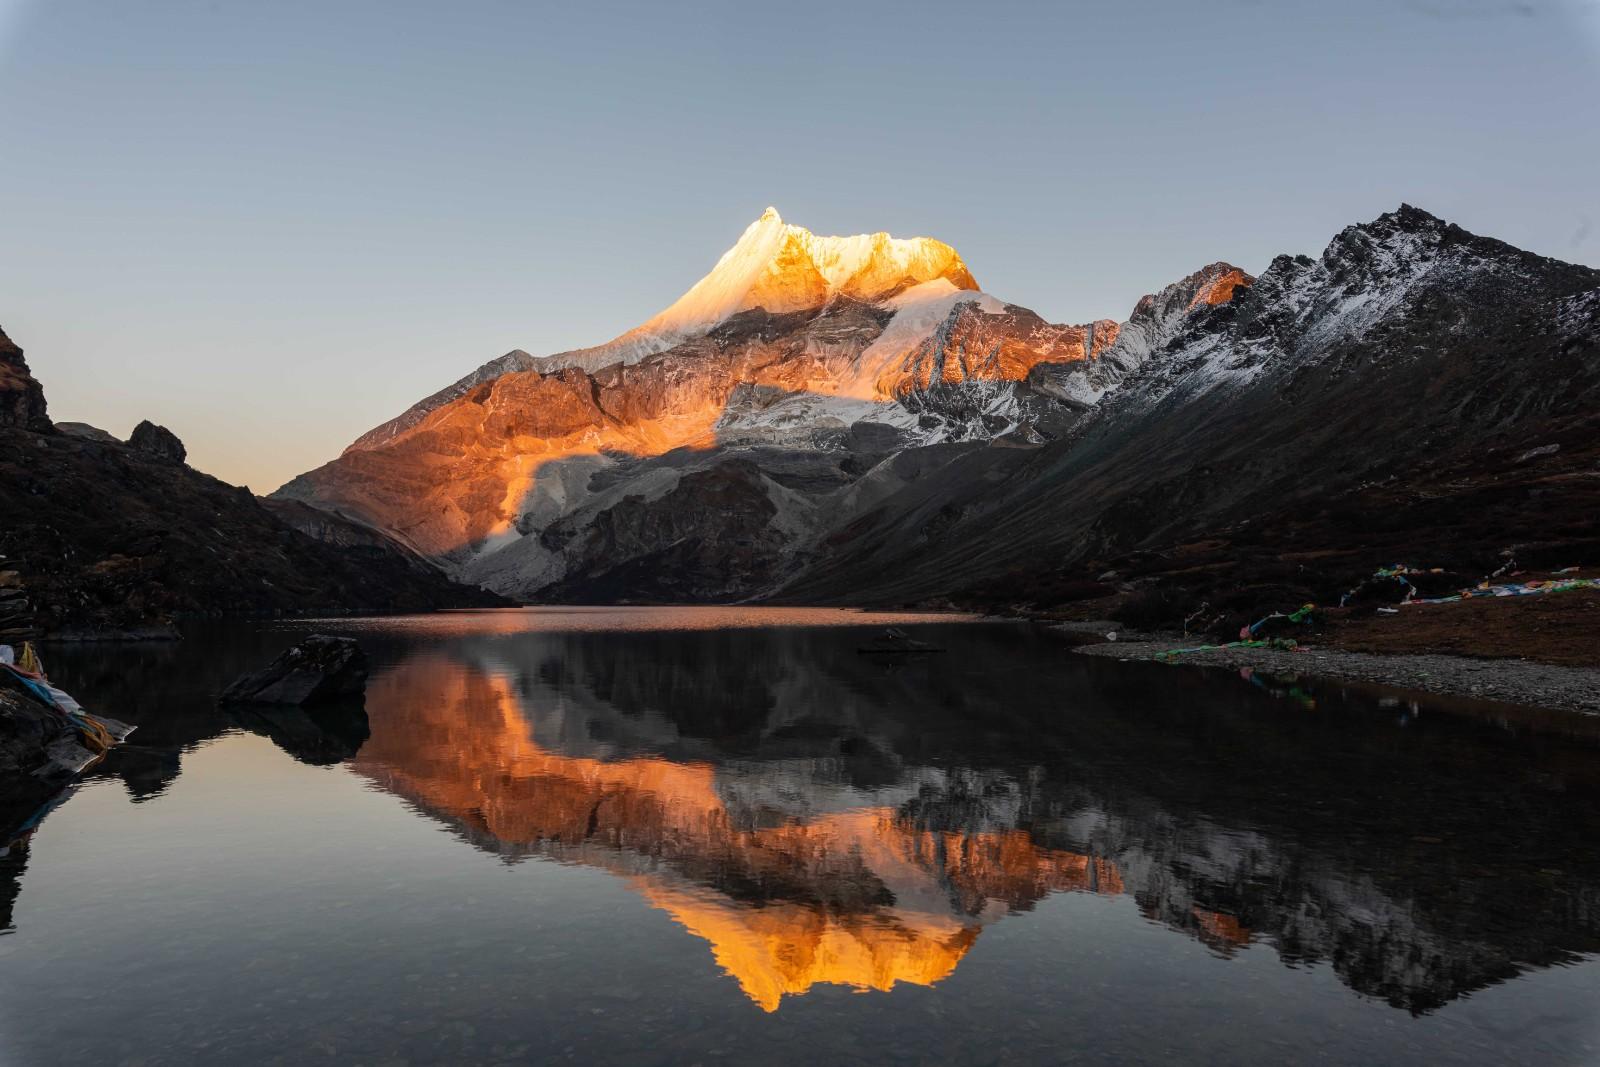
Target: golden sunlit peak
<point x="780" y="267"/>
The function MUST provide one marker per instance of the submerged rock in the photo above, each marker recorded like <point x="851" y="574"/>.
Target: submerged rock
<point x="320" y="669"/>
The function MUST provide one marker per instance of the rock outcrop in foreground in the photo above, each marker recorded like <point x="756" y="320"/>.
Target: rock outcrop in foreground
<point x="28" y="733"/>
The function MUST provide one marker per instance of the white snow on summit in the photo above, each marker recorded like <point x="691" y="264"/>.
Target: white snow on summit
<point x="779" y="267"/>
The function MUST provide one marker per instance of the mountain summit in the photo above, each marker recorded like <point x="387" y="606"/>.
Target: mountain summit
<point x="774" y="266"/>
<point x="779" y="268"/>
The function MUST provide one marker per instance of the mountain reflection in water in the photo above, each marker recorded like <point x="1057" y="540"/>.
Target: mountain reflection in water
<point x="792" y="873"/>
<point x="817" y="817"/>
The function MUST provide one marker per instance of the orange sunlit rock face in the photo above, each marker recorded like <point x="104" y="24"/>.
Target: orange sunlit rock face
<point x="466" y="472"/>
<point x="994" y="345"/>
<point x="1220" y="289"/>
<point x="860" y="898"/>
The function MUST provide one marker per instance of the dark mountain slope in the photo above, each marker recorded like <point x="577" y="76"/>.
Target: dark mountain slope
<point x="1410" y="344"/>
<point x="101" y="535"/>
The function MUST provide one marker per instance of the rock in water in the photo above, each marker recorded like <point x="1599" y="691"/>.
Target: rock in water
<point x="158" y="441"/>
<point x="319" y="670"/>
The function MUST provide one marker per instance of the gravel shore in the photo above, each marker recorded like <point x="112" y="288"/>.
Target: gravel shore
<point x="1511" y="681"/>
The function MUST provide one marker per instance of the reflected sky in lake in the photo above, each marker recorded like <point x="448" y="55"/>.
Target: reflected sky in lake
<point x="591" y="835"/>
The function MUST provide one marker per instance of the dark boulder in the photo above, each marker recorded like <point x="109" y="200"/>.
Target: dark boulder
<point x="30" y="732"/>
<point x="318" y="670"/>
<point x="158" y="441"/>
<point x="42" y="748"/>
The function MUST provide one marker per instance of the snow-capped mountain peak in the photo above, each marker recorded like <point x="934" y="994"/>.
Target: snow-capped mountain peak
<point x="774" y="265"/>
<point x="780" y="267"/>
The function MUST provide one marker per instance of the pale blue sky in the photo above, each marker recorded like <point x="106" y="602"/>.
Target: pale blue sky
<point x="270" y="226"/>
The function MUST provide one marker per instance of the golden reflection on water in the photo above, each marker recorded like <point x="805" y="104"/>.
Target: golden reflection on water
<point x="625" y="619"/>
<point x="860" y="898"/>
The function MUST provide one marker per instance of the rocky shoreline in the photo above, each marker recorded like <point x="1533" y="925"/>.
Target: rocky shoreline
<point x="1510" y="681"/>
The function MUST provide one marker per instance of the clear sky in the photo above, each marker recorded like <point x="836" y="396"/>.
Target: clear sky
<point x="272" y="225"/>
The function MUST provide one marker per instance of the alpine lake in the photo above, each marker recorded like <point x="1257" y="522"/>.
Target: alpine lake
<point x="726" y="835"/>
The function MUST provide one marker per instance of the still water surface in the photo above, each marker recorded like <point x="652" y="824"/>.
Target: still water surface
<point x="721" y="835"/>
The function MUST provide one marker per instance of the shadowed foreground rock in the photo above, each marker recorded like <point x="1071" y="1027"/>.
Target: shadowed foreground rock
<point x="28" y="732"/>
<point x="42" y="750"/>
<point x="319" y="670"/>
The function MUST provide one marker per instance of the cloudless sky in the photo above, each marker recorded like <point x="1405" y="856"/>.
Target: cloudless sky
<point x="272" y="225"/>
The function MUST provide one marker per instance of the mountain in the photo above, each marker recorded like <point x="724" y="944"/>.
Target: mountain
<point x="886" y="433"/>
<point x="104" y="536"/>
<point x="773" y="266"/>
<point x="1379" y="403"/>
<point x="699" y="455"/>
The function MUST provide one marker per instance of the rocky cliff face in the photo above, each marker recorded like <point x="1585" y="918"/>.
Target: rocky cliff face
<point x="22" y="403"/>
